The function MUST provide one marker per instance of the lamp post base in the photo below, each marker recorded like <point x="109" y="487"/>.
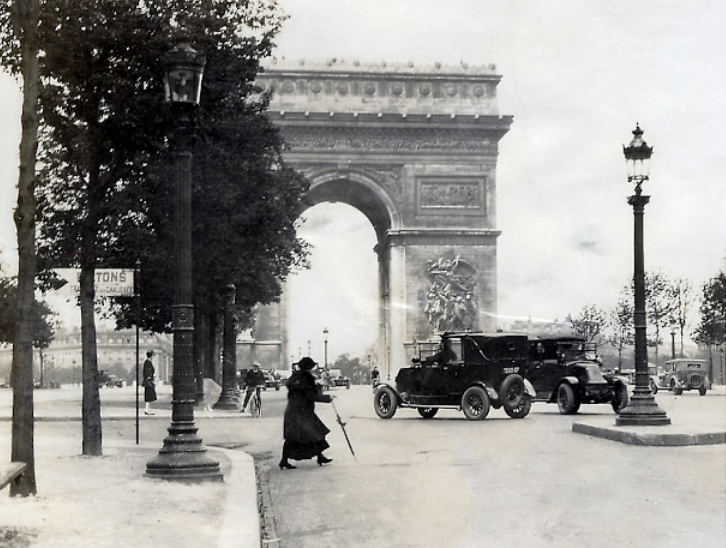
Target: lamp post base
<point x="184" y="458"/>
<point x="227" y="401"/>
<point x="642" y="410"/>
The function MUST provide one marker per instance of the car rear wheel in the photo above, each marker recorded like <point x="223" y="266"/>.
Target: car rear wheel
<point x="475" y="403"/>
<point x="385" y="402"/>
<point x="566" y="400"/>
<point x="653" y="387"/>
<point x="520" y="411"/>
<point x="620" y="397"/>
<point x="427" y="412"/>
<point x="512" y="392"/>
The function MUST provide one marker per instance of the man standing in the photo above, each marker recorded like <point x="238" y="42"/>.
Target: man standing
<point x="253" y="379"/>
<point x="375" y="377"/>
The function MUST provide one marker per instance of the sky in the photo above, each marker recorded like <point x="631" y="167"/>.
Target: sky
<point x="577" y="75"/>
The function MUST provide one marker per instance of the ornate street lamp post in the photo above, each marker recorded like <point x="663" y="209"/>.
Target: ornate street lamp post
<point x="228" y="398"/>
<point x="642" y="410"/>
<point x="325" y="338"/>
<point x="183" y="457"/>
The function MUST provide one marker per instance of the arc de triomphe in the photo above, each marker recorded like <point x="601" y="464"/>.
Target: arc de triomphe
<point x="415" y="150"/>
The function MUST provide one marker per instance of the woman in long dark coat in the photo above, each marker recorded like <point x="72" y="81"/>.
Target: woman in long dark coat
<point x="303" y="431"/>
<point x="148" y="382"/>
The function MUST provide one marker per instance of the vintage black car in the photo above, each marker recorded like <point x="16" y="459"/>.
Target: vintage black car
<point x="466" y="371"/>
<point x="682" y="374"/>
<point x="565" y="370"/>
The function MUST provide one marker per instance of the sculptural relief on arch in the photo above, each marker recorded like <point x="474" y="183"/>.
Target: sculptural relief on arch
<point x="414" y="148"/>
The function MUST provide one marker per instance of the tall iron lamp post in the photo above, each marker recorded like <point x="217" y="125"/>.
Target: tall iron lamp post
<point x="183" y="456"/>
<point x="325" y="338"/>
<point x="642" y="410"/>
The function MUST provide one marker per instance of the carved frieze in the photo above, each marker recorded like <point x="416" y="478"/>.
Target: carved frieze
<point x="450" y="302"/>
<point x="451" y="194"/>
<point x="341" y="139"/>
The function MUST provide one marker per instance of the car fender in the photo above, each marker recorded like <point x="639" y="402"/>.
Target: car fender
<point x="493" y="394"/>
<point x="393" y="388"/>
<point x="570" y="379"/>
<point x="529" y="388"/>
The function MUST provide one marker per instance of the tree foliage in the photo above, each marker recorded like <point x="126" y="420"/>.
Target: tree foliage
<point x="105" y="185"/>
<point x="42" y="318"/>
<point x="590" y="323"/>
<point x="711" y="329"/>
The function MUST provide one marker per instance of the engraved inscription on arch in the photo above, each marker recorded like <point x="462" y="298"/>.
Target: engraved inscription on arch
<point x="444" y="194"/>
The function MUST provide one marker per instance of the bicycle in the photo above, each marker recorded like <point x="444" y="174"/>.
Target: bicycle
<point x="256" y="402"/>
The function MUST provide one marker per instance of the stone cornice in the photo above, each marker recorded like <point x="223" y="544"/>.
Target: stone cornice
<point x="337" y="86"/>
<point x="466" y="236"/>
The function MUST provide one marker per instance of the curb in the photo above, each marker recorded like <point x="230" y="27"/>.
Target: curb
<point x="241" y="526"/>
<point x="650" y="439"/>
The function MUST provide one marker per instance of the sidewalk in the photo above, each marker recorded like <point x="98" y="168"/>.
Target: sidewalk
<point x="702" y="427"/>
<point x="108" y="501"/>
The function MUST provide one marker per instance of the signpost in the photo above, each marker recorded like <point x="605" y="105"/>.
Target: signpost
<point x="109" y="282"/>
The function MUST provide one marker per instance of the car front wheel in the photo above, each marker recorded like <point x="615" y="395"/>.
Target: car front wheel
<point x="566" y="400"/>
<point x="702" y="390"/>
<point x="475" y="403"/>
<point x="427" y="412"/>
<point x="620" y="398"/>
<point x="677" y="390"/>
<point x="520" y="411"/>
<point x="385" y="402"/>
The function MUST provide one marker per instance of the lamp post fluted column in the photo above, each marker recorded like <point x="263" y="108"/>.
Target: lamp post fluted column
<point x="642" y="409"/>
<point x="183" y="456"/>
<point x="228" y="398"/>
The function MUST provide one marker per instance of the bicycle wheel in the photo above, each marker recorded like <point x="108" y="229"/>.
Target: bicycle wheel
<point x="257" y="408"/>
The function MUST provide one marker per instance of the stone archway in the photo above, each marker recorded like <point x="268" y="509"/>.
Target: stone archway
<point x="415" y="150"/>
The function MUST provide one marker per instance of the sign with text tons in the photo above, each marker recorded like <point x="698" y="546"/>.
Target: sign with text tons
<point x="109" y="282"/>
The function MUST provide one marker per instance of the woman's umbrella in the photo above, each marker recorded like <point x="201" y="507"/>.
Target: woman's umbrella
<point x="342" y="426"/>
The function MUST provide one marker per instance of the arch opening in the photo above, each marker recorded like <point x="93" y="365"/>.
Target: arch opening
<point x="340" y="292"/>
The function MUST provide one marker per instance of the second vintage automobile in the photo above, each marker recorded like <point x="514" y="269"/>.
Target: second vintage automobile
<point x="565" y="370"/>
<point x="682" y="374"/>
<point x="471" y="372"/>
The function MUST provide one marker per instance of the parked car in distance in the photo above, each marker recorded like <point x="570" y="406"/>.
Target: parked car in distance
<point x="682" y="374"/>
<point x="109" y="380"/>
<point x="470" y="372"/>
<point x="271" y="381"/>
<point x="565" y="370"/>
<point x="336" y="378"/>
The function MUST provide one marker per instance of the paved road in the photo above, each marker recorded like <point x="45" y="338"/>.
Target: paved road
<point x="448" y="482"/>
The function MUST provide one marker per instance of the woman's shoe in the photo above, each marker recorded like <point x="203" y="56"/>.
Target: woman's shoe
<point x="286" y="465"/>
<point x="323" y="460"/>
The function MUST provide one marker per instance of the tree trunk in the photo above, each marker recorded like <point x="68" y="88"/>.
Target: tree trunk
<point x="22" y="371"/>
<point x="91" y="406"/>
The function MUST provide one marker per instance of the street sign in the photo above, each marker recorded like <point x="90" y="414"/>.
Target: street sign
<point x="109" y="282"/>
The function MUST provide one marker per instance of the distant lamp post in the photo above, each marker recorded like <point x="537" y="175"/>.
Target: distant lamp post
<point x="228" y="397"/>
<point x="673" y="342"/>
<point x="183" y="457"/>
<point x="642" y="410"/>
<point x="325" y="339"/>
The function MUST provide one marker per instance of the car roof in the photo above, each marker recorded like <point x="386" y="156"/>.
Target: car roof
<point x="480" y="334"/>
<point x="577" y="338"/>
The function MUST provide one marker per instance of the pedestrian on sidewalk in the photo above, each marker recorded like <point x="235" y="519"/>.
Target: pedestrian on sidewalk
<point x="303" y="431"/>
<point x="149" y="383"/>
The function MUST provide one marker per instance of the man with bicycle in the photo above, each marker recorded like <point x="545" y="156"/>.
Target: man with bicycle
<point x="254" y="380"/>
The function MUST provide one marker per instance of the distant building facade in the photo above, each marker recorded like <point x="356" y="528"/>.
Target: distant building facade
<point x="116" y="350"/>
